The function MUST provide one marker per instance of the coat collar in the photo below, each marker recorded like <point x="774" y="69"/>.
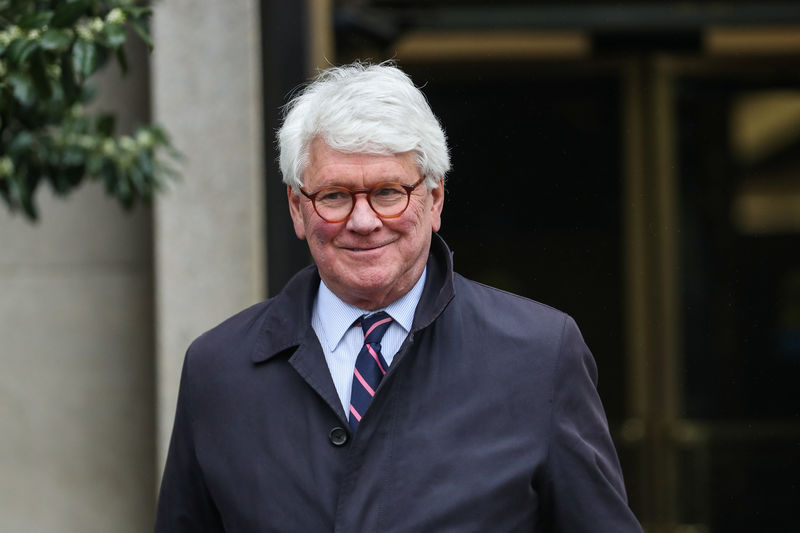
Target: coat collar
<point x="287" y="320"/>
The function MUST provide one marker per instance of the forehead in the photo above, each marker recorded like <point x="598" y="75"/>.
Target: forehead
<point x="330" y="167"/>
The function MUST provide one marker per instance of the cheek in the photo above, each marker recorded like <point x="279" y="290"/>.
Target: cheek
<point x="322" y="233"/>
<point x="419" y="219"/>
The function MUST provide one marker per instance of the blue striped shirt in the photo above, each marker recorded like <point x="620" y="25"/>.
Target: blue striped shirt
<point x="332" y="319"/>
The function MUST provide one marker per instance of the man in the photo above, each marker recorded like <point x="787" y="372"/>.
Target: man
<point x="379" y="391"/>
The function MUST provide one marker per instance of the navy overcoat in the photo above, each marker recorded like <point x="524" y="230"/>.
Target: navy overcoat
<point x="488" y="420"/>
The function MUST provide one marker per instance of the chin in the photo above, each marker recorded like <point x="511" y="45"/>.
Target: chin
<point x="366" y="287"/>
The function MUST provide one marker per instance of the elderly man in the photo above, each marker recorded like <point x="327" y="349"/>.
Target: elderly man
<point x="380" y="391"/>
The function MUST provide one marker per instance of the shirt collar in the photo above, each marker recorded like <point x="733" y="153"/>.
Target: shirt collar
<point x="336" y="316"/>
<point x="282" y="322"/>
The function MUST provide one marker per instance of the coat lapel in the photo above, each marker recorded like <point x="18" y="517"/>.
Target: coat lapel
<point x="309" y="361"/>
<point x="287" y="327"/>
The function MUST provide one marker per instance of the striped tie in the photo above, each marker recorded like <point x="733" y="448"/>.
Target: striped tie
<point x="370" y="366"/>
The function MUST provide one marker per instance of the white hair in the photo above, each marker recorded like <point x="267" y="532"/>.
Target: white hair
<point x="366" y="109"/>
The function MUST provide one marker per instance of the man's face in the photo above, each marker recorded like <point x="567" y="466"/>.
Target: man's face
<point x="367" y="261"/>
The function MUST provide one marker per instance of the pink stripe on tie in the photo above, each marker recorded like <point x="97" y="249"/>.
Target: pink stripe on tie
<point x="363" y="382"/>
<point x="377" y="359"/>
<point x="355" y="413"/>
<point x="376" y="324"/>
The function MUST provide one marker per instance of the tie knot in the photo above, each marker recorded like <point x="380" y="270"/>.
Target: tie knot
<point x="375" y="326"/>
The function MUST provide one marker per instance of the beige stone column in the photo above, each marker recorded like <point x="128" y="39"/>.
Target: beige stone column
<point x="209" y="229"/>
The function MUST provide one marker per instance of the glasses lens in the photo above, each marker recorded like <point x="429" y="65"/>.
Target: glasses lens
<point x="333" y="203"/>
<point x="388" y="199"/>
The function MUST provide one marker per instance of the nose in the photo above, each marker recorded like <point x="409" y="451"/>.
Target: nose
<point x="363" y="219"/>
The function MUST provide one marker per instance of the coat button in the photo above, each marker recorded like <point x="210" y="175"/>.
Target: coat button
<point x="338" y="436"/>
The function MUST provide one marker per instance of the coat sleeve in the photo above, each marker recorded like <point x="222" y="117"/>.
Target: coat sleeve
<point x="184" y="502"/>
<point x="583" y="487"/>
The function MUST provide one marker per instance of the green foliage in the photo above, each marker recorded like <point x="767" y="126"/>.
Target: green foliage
<point x="48" y="50"/>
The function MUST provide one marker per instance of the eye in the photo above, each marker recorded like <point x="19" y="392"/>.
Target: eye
<point x="332" y="195"/>
<point x="388" y="192"/>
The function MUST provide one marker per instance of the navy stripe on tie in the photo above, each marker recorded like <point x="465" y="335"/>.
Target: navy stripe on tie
<point x="370" y="366"/>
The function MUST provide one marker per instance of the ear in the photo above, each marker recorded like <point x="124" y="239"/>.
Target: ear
<point x="296" y="211"/>
<point x="437" y="205"/>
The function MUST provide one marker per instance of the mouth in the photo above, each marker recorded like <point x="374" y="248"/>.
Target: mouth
<point x="367" y="249"/>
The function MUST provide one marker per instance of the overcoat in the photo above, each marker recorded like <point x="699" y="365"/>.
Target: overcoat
<point x="488" y="420"/>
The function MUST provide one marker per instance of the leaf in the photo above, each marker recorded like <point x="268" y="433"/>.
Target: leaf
<point x="65" y="178"/>
<point x="57" y="96"/>
<point x="146" y="162"/>
<point x="35" y="20"/>
<point x="23" y="88"/>
<point x="68" y="81"/>
<point x="94" y="163"/>
<point x="29" y="207"/>
<point x="159" y="135"/>
<point x="139" y="181"/>
<point x="20" y="193"/>
<point x="39" y="76"/>
<point x="84" y="58"/>
<point x="20" y="143"/>
<point x="73" y="157"/>
<point x="68" y="13"/>
<point x="138" y="12"/>
<point x="54" y="39"/>
<point x="87" y="93"/>
<point x="4" y="193"/>
<point x="122" y="60"/>
<point x="20" y="49"/>
<point x="115" y="35"/>
<point x="28" y="188"/>
<point x="141" y="30"/>
<point x="13" y="49"/>
<point x="105" y="124"/>
<point x="15" y="193"/>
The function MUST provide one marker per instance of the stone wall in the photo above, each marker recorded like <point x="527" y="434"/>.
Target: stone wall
<point x="77" y="425"/>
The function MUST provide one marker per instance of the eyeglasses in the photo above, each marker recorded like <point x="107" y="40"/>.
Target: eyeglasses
<point x="388" y="199"/>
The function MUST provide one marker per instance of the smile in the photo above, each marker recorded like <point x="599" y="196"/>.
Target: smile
<point x="366" y="249"/>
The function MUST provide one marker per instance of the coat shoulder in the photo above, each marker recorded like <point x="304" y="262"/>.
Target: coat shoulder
<point x="234" y="336"/>
<point x="491" y="302"/>
<point x="514" y="327"/>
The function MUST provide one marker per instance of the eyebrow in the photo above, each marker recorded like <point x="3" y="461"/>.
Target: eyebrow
<point x="338" y="183"/>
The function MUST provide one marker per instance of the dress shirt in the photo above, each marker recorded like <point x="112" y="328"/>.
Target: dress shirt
<point x="332" y="320"/>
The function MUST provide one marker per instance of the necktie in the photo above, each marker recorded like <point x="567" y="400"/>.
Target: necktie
<point x="370" y="366"/>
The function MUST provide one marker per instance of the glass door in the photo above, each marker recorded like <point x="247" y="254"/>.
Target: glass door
<point x="714" y="270"/>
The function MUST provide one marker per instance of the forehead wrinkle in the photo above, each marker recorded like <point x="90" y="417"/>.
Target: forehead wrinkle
<point x="335" y="178"/>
